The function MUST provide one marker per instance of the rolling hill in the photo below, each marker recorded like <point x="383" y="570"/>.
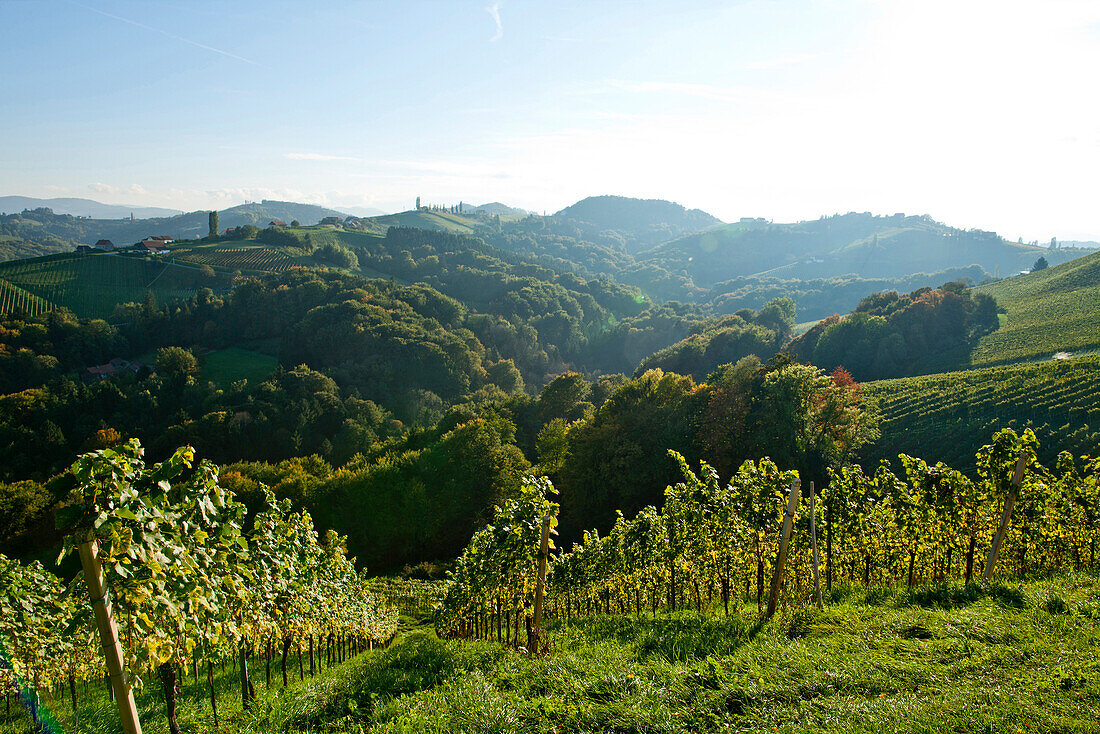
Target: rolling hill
<point x="1048" y="311"/>
<point x="947" y="417"/>
<point x="85" y="208"/>
<point x="862" y="244"/>
<point x="39" y="224"/>
<point x="641" y="222"/>
<point x="427" y="219"/>
<point x="92" y="285"/>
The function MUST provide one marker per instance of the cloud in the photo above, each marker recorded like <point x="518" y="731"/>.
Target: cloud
<point x="166" y="33"/>
<point x="494" y="13"/>
<point x="781" y="61"/>
<point x="690" y="89"/>
<point x="318" y="157"/>
<point x="102" y="188"/>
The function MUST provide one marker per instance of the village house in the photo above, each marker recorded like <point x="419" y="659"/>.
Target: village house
<point x="105" y="245"/>
<point x="115" y="367"/>
<point x="277" y="223"/>
<point x="153" y="246"/>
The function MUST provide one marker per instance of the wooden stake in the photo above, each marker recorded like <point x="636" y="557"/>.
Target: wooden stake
<point x="781" y="559"/>
<point x="813" y="540"/>
<point x="540" y="587"/>
<point x="1006" y="516"/>
<point x="108" y="636"/>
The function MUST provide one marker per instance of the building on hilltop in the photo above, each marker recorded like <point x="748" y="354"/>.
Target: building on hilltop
<point x="152" y="245"/>
<point x="277" y="223"/>
<point x="105" y="245"/>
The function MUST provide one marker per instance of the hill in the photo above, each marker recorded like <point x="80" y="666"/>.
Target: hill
<point x="44" y="225"/>
<point x="496" y="207"/>
<point x="364" y="211"/>
<point x="85" y="208"/>
<point x="1048" y="311"/>
<point x="861" y="244"/>
<point x="92" y="285"/>
<point x="14" y="248"/>
<point x="947" y="417"/>
<point x="642" y="222"/>
<point x="427" y="219"/>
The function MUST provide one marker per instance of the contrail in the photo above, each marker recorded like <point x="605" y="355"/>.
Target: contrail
<point x="494" y="11"/>
<point x="166" y="33"/>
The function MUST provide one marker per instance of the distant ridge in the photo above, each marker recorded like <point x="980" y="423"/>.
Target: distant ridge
<point x="364" y="211"/>
<point x="857" y="243"/>
<point x="65" y="229"/>
<point x="84" y="208"/>
<point x="496" y="207"/>
<point x="642" y="222"/>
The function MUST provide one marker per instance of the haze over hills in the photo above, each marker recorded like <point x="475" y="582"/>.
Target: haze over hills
<point x="363" y="211"/>
<point x="669" y="252"/>
<point x="649" y="221"/>
<point x="36" y="226"/>
<point x="862" y="244"/>
<point x="85" y="208"/>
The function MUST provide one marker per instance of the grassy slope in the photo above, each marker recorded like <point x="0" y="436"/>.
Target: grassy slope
<point x="226" y="366"/>
<point x="429" y="220"/>
<point x="948" y="416"/>
<point x="1053" y="310"/>
<point x="1013" y="659"/>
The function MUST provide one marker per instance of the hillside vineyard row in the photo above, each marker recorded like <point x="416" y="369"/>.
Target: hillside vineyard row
<point x="711" y="542"/>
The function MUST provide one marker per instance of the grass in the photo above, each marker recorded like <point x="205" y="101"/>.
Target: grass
<point x="1019" y="657"/>
<point x="229" y="365"/>
<point x="429" y="220"/>
<point x="1049" y="311"/>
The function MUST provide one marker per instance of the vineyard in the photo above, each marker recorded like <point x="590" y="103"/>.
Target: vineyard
<point x="938" y="416"/>
<point x="1049" y="311"/>
<point x="245" y="259"/>
<point x="14" y="298"/>
<point x="710" y="543"/>
<point x="92" y="285"/>
<point x="178" y="584"/>
<point x="202" y="604"/>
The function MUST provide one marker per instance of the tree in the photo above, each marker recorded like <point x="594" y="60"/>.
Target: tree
<point x="213" y="224"/>
<point x="295" y="223"/>
<point x="1040" y="264"/>
<point x="207" y="272"/>
<point x="176" y="363"/>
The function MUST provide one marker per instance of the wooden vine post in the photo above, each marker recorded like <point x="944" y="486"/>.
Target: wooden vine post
<point x="1006" y="516"/>
<point x="108" y="636"/>
<point x="784" y="538"/>
<point x="813" y="541"/>
<point x="540" y="587"/>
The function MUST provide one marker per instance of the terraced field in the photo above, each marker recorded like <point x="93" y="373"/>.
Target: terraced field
<point x="245" y="259"/>
<point x="948" y="416"/>
<point x="1050" y="311"/>
<point x="92" y="285"/>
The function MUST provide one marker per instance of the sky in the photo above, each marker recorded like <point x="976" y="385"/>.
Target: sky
<point x="981" y="114"/>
